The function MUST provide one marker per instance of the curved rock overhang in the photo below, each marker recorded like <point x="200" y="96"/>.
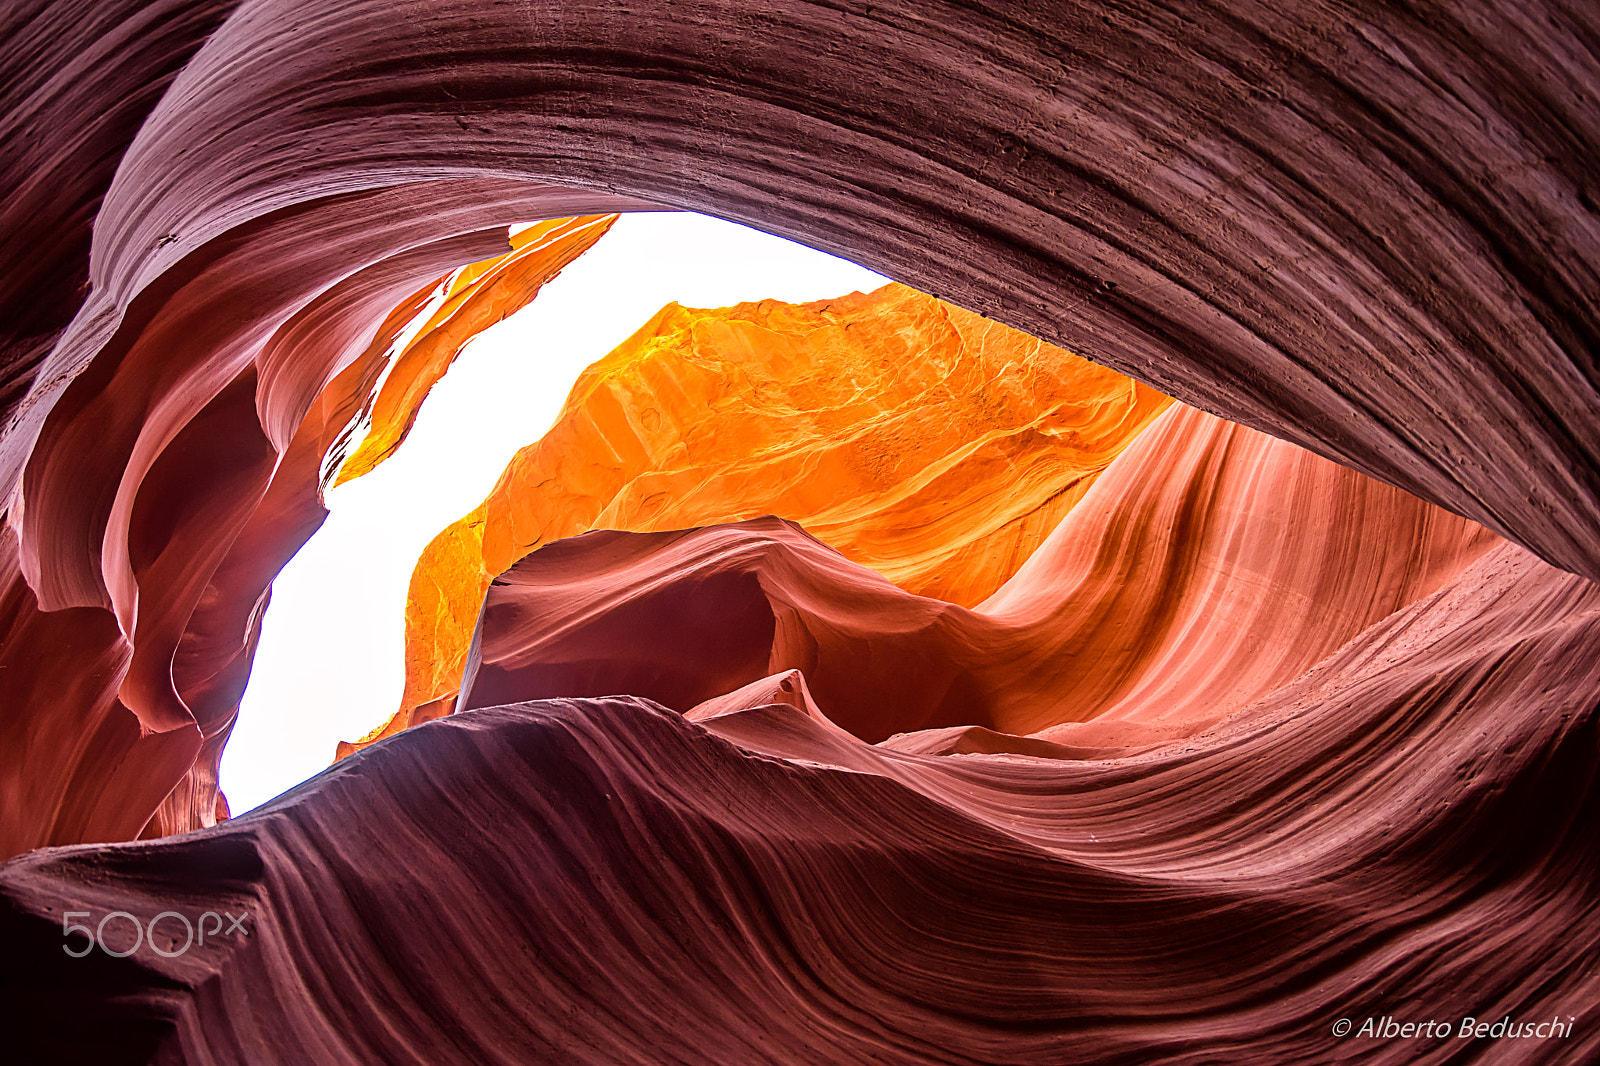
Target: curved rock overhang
<point x="1368" y="229"/>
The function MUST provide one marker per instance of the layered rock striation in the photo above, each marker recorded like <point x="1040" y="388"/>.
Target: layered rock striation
<point x="1206" y="568"/>
<point x="1251" y="744"/>
<point x="1366" y="228"/>
<point x="922" y="441"/>
<point x="1403" y="831"/>
<point x="167" y="488"/>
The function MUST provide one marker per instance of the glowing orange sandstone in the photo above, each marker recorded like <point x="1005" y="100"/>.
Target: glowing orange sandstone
<point x="468" y="302"/>
<point x="924" y="441"/>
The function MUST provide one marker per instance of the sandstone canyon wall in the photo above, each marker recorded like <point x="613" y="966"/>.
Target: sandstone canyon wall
<point x="154" y="515"/>
<point x="925" y="442"/>
<point x="1291" y="718"/>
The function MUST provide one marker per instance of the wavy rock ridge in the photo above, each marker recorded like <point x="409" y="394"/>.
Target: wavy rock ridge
<point x="676" y="880"/>
<point x="1331" y="755"/>
<point x="139" y="557"/>
<point x="1209" y="566"/>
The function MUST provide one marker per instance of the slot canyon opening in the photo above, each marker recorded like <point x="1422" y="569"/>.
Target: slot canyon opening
<point x="329" y="665"/>
<point x="933" y="449"/>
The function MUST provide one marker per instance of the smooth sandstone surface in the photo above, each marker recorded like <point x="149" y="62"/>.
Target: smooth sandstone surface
<point x="1207" y="567"/>
<point x="1320" y="751"/>
<point x="1403" y="831"/>
<point x="140" y="555"/>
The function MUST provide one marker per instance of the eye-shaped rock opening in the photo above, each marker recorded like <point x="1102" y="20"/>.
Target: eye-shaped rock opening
<point x="1254" y="758"/>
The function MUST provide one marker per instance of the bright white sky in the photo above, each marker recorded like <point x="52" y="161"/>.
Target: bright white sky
<point x="329" y="664"/>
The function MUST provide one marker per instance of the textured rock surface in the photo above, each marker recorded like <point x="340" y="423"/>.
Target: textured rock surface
<point x="1369" y="228"/>
<point x="934" y="446"/>
<point x="1207" y="567"/>
<point x="1404" y="831"/>
<point x="167" y="489"/>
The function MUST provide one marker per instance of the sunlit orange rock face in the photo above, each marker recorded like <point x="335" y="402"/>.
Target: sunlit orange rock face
<point x="468" y="302"/>
<point x="930" y="444"/>
<point x="1185" y="586"/>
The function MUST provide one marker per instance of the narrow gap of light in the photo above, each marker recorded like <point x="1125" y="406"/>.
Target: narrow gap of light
<point x="329" y="665"/>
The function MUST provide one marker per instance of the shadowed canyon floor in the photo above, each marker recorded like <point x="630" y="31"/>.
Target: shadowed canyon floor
<point x="1186" y="732"/>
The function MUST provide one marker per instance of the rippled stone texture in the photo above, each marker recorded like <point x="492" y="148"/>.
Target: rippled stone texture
<point x="155" y="514"/>
<point x="921" y="440"/>
<point x="1364" y="227"/>
<point x="1403" y="831"/>
<point x="1369" y="228"/>
<point x="1206" y="568"/>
